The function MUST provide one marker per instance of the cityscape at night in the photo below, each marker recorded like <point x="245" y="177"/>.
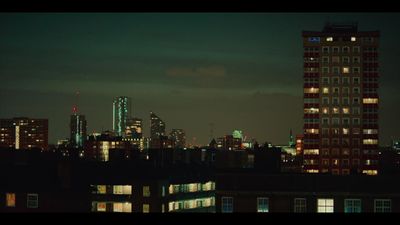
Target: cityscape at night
<point x="199" y="112"/>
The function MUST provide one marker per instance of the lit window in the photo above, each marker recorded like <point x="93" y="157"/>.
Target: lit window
<point x="101" y="189"/>
<point x="262" y="205"/>
<point x="312" y="131"/>
<point x="370" y="100"/>
<point x="146" y="191"/>
<point x="122" y="189"/>
<point x="32" y="201"/>
<point x="353" y="38"/>
<point x="325" y="110"/>
<point x="311" y="151"/>
<point x="346" y="69"/>
<point x="329" y="39"/>
<point x="370" y="141"/>
<point x="346" y="110"/>
<point x="146" y="208"/>
<point x="325" y="90"/>
<point x="335" y="110"/>
<point x="101" y="207"/>
<point x="311" y="90"/>
<point x="345" y="131"/>
<point x="370" y="172"/>
<point x="325" y="205"/>
<point x="311" y="110"/>
<point x="370" y="131"/>
<point x="10" y="199"/>
<point x="383" y="205"/>
<point x="227" y="204"/>
<point x="300" y="205"/>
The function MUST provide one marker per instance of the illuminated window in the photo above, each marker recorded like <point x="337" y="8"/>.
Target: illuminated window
<point x="311" y="110"/>
<point x="146" y="191"/>
<point x="312" y="131"/>
<point x="227" y="204"/>
<point x="262" y="205"/>
<point x="335" y="162"/>
<point x="325" y="205"/>
<point x="325" y="110"/>
<point x="311" y="151"/>
<point x="345" y="131"/>
<point x="101" y="189"/>
<point x="146" y="208"/>
<point x="101" y="207"/>
<point x="382" y="205"/>
<point x="10" y="199"/>
<point x="353" y="39"/>
<point x="346" y="110"/>
<point x="346" y="69"/>
<point x="117" y="207"/>
<point x="325" y="90"/>
<point x="122" y="189"/>
<point x="311" y="90"/>
<point x="32" y="201"/>
<point x="370" y="100"/>
<point x="335" y="110"/>
<point x="300" y="205"/>
<point x="329" y="39"/>
<point x="370" y="131"/>
<point x="370" y="141"/>
<point x="370" y="172"/>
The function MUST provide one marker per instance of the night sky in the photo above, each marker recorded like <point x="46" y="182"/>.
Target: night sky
<point x="235" y="70"/>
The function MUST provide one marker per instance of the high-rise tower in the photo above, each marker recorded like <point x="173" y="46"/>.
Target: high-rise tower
<point x="121" y="112"/>
<point x="341" y="100"/>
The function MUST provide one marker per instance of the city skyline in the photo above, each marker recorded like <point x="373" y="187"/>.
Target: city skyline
<point x="236" y="71"/>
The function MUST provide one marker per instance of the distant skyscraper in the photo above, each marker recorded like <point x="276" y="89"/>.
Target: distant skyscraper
<point x="24" y="133"/>
<point x="341" y="100"/>
<point x="157" y="132"/>
<point x="121" y="112"/>
<point x="157" y="126"/>
<point x="178" y="138"/>
<point x="134" y="128"/>
<point x="291" y="139"/>
<point x="77" y="129"/>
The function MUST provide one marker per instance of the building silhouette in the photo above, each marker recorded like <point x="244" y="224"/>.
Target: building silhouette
<point x="340" y="100"/>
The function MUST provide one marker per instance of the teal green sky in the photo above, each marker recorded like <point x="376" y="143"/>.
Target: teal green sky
<point x="236" y="70"/>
